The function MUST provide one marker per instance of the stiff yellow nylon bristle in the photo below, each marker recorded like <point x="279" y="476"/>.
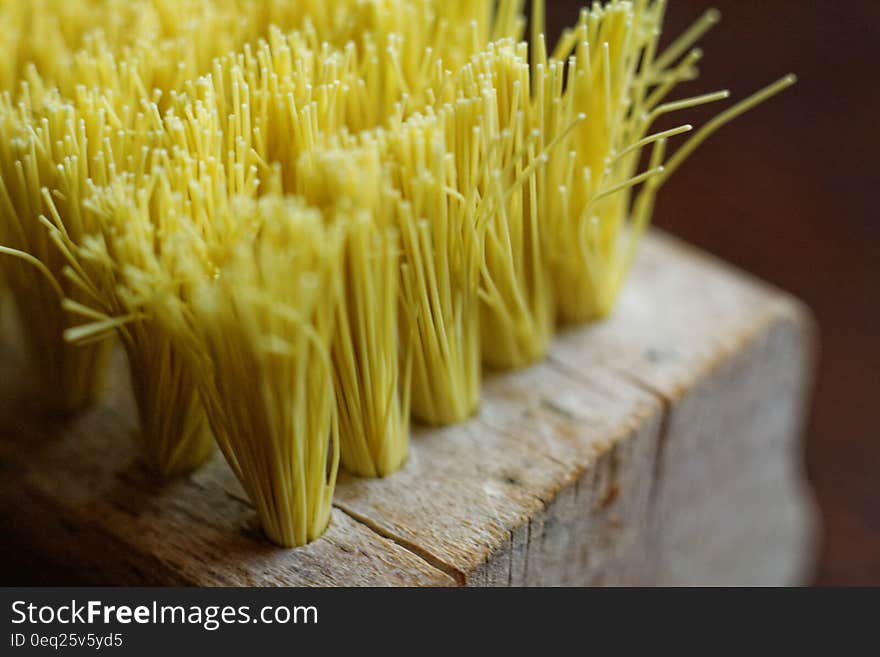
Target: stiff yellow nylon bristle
<point x="64" y="139"/>
<point x="437" y="164"/>
<point x="46" y="34"/>
<point x="282" y="97"/>
<point x="44" y="145"/>
<point x="273" y="102"/>
<point x="110" y="266"/>
<point x="65" y="145"/>
<point x="71" y="42"/>
<point x="370" y="377"/>
<point x="278" y="97"/>
<point x="607" y="77"/>
<point x="145" y="53"/>
<point x="107" y="226"/>
<point x="258" y="326"/>
<point x="517" y="310"/>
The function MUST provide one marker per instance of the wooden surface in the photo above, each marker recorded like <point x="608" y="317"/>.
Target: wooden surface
<point x="659" y="447"/>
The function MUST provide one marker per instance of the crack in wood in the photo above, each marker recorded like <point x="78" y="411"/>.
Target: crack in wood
<point x="420" y="552"/>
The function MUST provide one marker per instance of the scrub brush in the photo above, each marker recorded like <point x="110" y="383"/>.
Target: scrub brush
<point x="341" y="222"/>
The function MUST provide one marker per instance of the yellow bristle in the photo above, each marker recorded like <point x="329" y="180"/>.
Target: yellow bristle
<point x="158" y="45"/>
<point x="114" y="265"/>
<point x="283" y="96"/>
<point x="46" y="34"/>
<point x="257" y="323"/>
<point x="606" y="78"/>
<point x="373" y="419"/>
<point x="46" y="145"/>
<point x="437" y="165"/>
<point x="517" y="310"/>
<point x="67" y="42"/>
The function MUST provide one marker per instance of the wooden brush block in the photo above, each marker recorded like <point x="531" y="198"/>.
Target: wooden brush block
<point x="658" y="447"/>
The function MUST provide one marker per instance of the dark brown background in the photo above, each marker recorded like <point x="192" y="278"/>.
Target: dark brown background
<point x="790" y="192"/>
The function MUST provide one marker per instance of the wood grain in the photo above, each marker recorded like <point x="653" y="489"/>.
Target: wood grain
<point x="660" y="446"/>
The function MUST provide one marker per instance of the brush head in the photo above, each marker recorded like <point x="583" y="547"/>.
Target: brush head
<point x="305" y="218"/>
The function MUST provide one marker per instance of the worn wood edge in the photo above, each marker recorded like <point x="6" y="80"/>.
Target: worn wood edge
<point x="739" y="427"/>
<point x="128" y="551"/>
<point x="118" y="524"/>
<point x="573" y="455"/>
<point x="772" y="311"/>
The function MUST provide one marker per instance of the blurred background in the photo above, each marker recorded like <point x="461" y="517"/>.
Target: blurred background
<point x="788" y="192"/>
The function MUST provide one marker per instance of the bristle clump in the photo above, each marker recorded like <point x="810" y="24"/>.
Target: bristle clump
<point x="44" y="147"/>
<point x="257" y="321"/>
<point x="436" y="162"/>
<point x="597" y="96"/>
<point x="372" y="380"/>
<point x="123" y="266"/>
